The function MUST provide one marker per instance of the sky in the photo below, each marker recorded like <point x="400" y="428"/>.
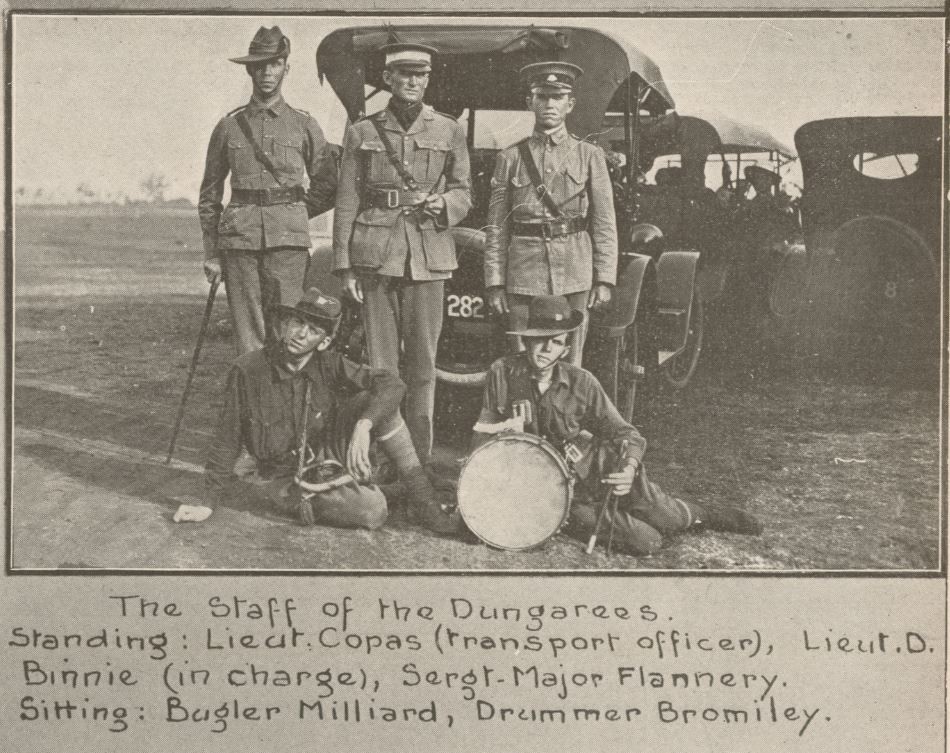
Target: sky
<point x="106" y="101"/>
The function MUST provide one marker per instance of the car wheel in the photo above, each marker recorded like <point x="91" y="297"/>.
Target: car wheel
<point x="619" y="368"/>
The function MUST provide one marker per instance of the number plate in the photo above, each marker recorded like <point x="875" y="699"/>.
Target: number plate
<point x="464" y="306"/>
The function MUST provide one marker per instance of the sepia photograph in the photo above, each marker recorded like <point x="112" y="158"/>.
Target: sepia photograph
<point x="575" y="294"/>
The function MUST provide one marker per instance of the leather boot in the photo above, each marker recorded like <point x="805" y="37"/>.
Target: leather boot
<point x="425" y="506"/>
<point x="729" y="520"/>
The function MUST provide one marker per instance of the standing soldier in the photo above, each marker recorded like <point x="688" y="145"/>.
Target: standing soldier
<point x="260" y="242"/>
<point x="404" y="182"/>
<point x="551" y="223"/>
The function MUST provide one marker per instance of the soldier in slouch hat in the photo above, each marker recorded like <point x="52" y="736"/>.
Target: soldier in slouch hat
<point x="260" y="241"/>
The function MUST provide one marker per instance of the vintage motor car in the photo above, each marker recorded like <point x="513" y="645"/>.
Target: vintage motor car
<point x="475" y="79"/>
<point x="871" y="215"/>
<point x="692" y="197"/>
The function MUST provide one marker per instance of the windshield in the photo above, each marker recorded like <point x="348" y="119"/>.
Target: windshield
<point x="498" y="129"/>
<point x="716" y="174"/>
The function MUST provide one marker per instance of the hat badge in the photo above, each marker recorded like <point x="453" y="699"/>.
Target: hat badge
<point x="552" y="77"/>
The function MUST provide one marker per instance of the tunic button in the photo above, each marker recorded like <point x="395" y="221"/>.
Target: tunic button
<point x="405" y="162"/>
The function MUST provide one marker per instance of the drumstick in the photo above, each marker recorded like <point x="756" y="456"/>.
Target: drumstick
<point x="600" y="519"/>
<point x="613" y="522"/>
<point x="603" y="508"/>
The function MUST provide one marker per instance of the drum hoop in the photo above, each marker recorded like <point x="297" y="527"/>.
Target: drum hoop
<point x="551" y="451"/>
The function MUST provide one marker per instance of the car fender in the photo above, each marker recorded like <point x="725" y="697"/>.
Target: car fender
<point x="622" y="309"/>
<point x="470" y="249"/>
<point x="675" y="284"/>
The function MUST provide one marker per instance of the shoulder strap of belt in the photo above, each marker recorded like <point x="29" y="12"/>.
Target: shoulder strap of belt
<point x="302" y="445"/>
<point x="259" y="155"/>
<point x="407" y="177"/>
<point x="536" y="180"/>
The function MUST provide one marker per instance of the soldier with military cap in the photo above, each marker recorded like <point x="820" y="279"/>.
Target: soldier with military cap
<point x="404" y="183"/>
<point x="260" y="242"/>
<point x="307" y="416"/>
<point x="551" y="223"/>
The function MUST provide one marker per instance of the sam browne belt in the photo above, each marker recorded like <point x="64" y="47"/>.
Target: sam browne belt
<point x="394" y="198"/>
<point x="265" y="197"/>
<point x="549" y="229"/>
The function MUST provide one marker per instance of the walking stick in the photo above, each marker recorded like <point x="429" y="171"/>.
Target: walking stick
<point x="604" y="505"/>
<point x="194" y="364"/>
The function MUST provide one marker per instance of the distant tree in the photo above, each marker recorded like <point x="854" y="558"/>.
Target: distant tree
<point x="85" y="191"/>
<point x="21" y="192"/>
<point x="154" y="187"/>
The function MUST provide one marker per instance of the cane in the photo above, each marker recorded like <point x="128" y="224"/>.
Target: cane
<point x="194" y="364"/>
<point x="606" y="503"/>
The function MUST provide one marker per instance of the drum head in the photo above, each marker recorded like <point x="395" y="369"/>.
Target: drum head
<point x="514" y="491"/>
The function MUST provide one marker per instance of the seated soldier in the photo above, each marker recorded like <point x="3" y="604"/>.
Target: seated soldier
<point x="296" y="397"/>
<point x="549" y="397"/>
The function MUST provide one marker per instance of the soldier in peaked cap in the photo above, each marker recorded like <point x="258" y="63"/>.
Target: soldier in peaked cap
<point x="404" y="183"/>
<point x="296" y="406"/>
<point x="538" y="391"/>
<point x="551" y="223"/>
<point x="260" y="241"/>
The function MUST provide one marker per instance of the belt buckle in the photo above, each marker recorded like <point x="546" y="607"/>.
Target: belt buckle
<point x="546" y="231"/>
<point x="266" y="197"/>
<point x="392" y="198"/>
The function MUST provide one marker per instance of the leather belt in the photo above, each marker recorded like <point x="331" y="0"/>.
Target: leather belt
<point x="550" y="228"/>
<point x="265" y="197"/>
<point x="276" y="467"/>
<point x="395" y="198"/>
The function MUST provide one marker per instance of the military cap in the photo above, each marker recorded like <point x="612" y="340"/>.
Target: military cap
<point x="268" y="44"/>
<point x="317" y="308"/>
<point x="416" y="57"/>
<point x="553" y="76"/>
<point x="548" y="316"/>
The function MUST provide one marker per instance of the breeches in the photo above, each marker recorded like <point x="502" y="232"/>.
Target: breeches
<point x="406" y="313"/>
<point x="641" y="517"/>
<point x="256" y="281"/>
<point x="343" y="509"/>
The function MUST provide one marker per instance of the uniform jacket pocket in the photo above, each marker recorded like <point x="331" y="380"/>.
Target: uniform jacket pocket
<point x="430" y="158"/>
<point x="374" y="163"/>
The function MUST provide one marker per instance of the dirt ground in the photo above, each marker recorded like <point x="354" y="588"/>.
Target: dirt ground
<point x="841" y="460"/>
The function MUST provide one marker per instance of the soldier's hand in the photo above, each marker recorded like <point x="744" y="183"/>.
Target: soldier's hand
<point x="353" y="286"/>
<point x="497" y="300"/>
<point x="357" y="455"/>
<point x="434" y="205"/>
<point x="212" y="270"/>
<point x="599" y="296"/>
<point x="621" y="481"/>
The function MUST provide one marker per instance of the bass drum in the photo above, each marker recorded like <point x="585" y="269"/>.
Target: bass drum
<point x="515" y="491"/>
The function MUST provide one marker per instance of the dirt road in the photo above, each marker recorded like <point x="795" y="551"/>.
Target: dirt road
<point x="842" y="464"/>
